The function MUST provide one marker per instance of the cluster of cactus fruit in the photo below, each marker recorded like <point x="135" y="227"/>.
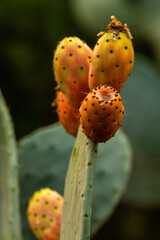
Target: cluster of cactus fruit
<point x="88" y="89"/>
<point x="103" y="72"/>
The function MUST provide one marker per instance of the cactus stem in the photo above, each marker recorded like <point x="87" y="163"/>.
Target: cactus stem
<point x="79" y="189"/>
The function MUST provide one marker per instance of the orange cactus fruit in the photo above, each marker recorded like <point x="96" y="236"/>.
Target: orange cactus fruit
<point x="112" y="57"/>
<point x="68" y="114"/>
<point x="44" y="214"/>
<point x="71" y="67"/>
<point x="101" y="113"/>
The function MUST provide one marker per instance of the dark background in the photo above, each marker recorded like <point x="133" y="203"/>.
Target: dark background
<point x="30" y="31"/>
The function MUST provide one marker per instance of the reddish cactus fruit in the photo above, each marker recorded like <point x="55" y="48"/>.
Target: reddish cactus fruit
<point x="68" y="114"/>
<point x="112" y="57"/>
<point x="101" y="113"/>
<point x="44" y="214"/>
<point x="71" y="67"/>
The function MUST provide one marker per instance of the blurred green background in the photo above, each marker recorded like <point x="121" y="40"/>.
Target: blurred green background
<point x="30" y="31"/>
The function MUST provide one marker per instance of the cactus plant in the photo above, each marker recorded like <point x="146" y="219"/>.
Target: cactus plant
<point x="44" y="148"/>
<point x="78" y="190"/>
<point x="9" y="204"/>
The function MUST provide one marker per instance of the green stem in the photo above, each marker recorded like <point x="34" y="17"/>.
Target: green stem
<point x="76" y="217"/>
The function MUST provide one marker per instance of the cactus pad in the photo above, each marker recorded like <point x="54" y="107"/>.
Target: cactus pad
<point x="9" y="211"/>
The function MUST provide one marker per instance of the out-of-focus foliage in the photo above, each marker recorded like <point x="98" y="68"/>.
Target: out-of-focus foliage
<point x="142" y="98"/>
<point x="30" y="31"/>
<point x="142" y="17"/>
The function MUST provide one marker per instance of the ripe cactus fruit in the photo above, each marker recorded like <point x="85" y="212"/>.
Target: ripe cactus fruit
<point x="44" y="214"/>
<point x="112" y="57"/>
<point x="68" y="114"/>
<point x="101" y="113"/>
<point x="71" y="67"/>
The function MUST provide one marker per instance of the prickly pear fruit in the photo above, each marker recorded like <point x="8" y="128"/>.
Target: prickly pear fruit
<point x="112" y="57"/>
<point x="71" y="67"/>
<point x="68" y="114"/>
<point x="101" y="113"/>
<point x="44" y="214"/>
